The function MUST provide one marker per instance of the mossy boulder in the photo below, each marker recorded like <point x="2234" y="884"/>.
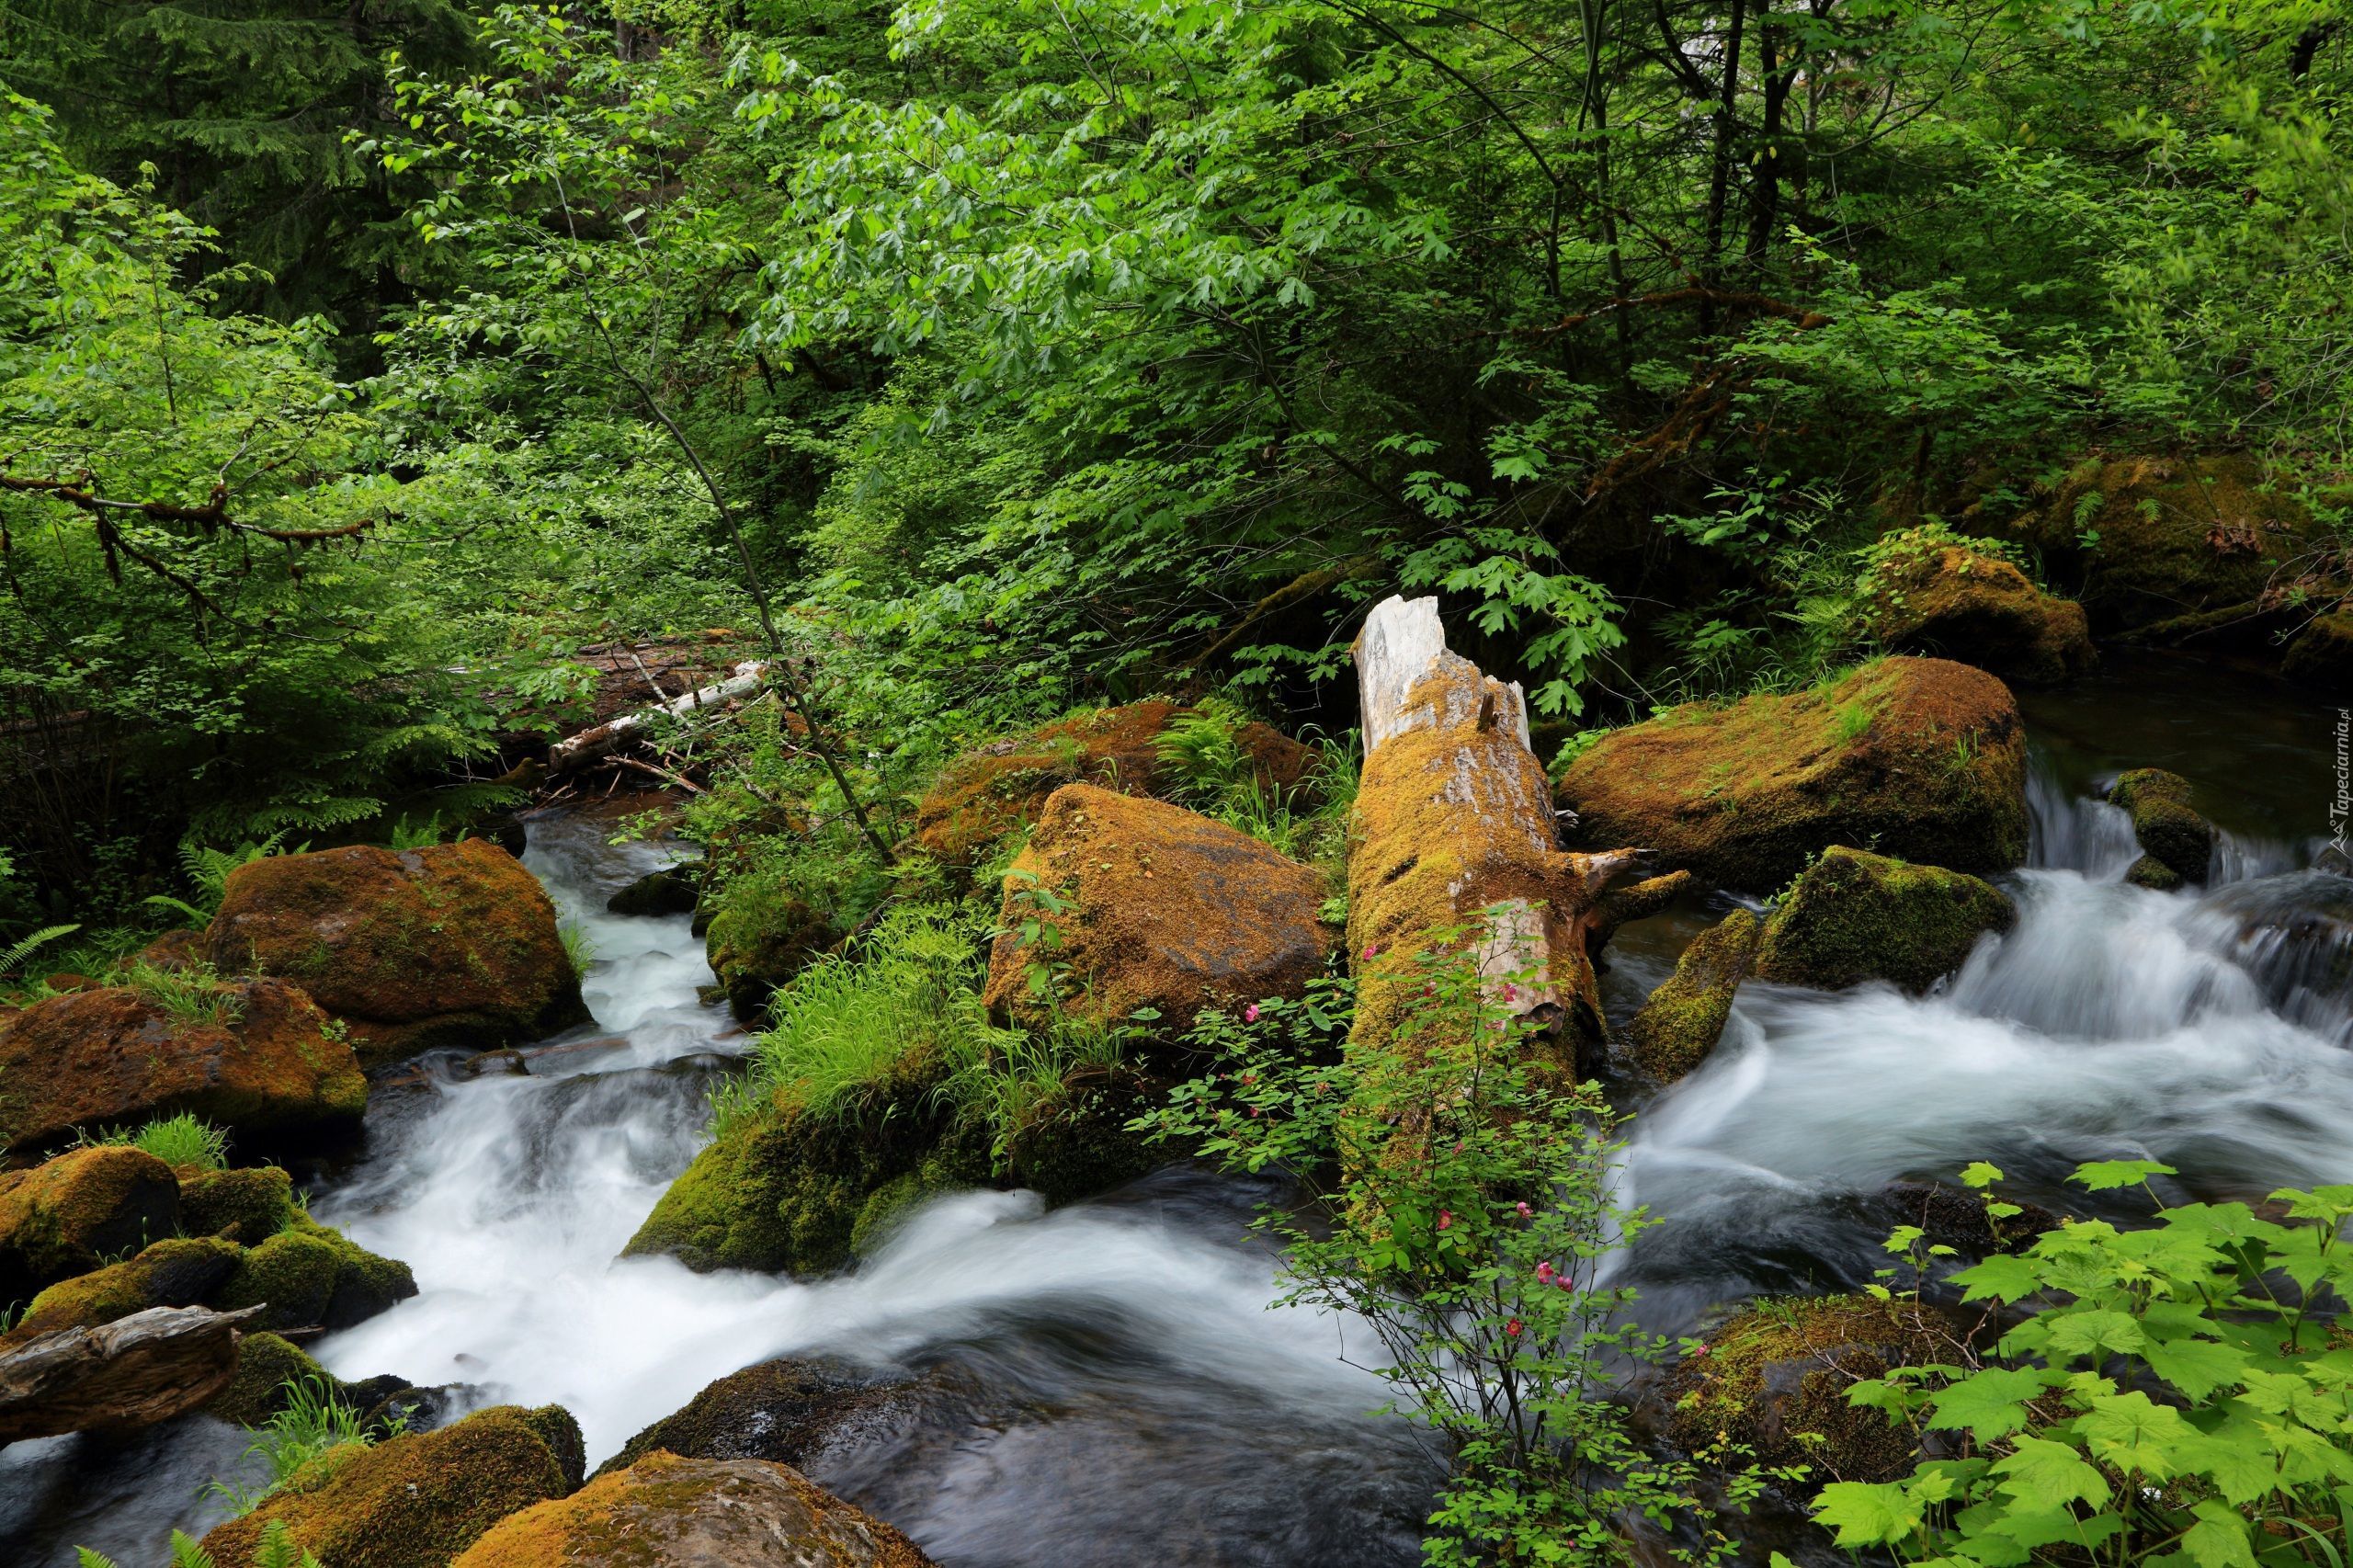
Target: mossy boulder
<point x="1853" y="916"/>
<point x="174" y="951"/>
<point x="1075" y="1142"/>
<point x="1681" y="1024"/>
<point x="2321" y="658"/>
<point x="2177" y="844"/>
<point x="987" y="793"/>
<point x="451" y="944"/>
<point x="668" y="1512"/>
<point x="792" y="1190"/>
<point x="310" y="1276"/>
<point x="255" y="1056"/>
<point x="1943" y="598"/>
<point x="249" y="1204"/>
<point x="1924" y="758"/>
<point x="1147" y="905"/>
<point x="670" y="891"/>
<point x="175" y="1272"/>
<point x="790" y="1411"/>
<point x="759" y="938"/>
<point x="70" y="1215"/>
<point x="1774" y="1379"/>
<point x="413" y="1501"/>
<point x="265" y="1365"/>
<point x="2164" y="538"/>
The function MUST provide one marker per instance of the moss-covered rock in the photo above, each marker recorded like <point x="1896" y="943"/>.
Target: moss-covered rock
<point x="1943" y="598"/>
<point x="758" y="939"/>
<point x="249" y="1204"/>
<point x="2193" y="541"/>
<point x="451" y="944"/>
<point x="2177" y="844"/>
<point x="788" y="1411"/>
<point x="670" y="891"/>
<point x="1774" y="1379"/>
<point x="68" y="1216"/>
<point x="415" y="1501"/>
<point x="1076" y="1143"/>
<point x="266" y="1364"/>
<point x="1147" y="905"/>
<point x="176" y="1272"/>
<point x="1924" y="758"/>
<point x="1685" y="1017"/>
<point x="310" y="1276"/>
<point x="256" y="1057"/>
<point x="668" y="1512"/>
<point x="987" y="793"/>
<point x="1853" y="916"/>
<point x="2321" y="658"/>
<point x="788" y="1190"/>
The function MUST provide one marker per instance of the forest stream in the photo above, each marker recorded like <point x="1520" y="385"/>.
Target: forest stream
<point x="1111" y="1386"/>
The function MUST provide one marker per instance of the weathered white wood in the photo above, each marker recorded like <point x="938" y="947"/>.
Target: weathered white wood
<point x="1403" y="643"/>
<point x="132" y="1372"/>
<point x="607" y="738"/>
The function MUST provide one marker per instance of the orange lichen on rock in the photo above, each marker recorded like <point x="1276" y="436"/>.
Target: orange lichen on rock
<point x="1965" y="603"/>
<point x="987" y="793"/>
<point x="1141" y="904"/>
<point x="417" y="1500"/>
<point x="453" y="943"/>
<point x="86" y="1204"/>
<point x="1921" y="758"/>
<point x="266" y="1061"/>
<point x="667" y="1512"/>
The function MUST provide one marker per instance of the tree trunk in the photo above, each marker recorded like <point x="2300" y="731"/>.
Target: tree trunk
<point x="606" y="739"/>
<point x="133" y="1372"/>
<point x="1764" y="187"/>
<point x="1720" y="168"/>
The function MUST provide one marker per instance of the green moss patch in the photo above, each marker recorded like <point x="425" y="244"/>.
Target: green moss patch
<point x="1853" y="916"/>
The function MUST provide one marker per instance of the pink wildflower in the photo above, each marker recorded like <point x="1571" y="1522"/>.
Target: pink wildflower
<point x="1512" y="1328"/>
<point x="1369" y="952"/>
<point x="1445" y="1217"/>
<point x="1250" y="1014"/>
<point x="1544" y="1272"/>
<point x="1511" y="992"/>
<point x="1526" y="1213"/>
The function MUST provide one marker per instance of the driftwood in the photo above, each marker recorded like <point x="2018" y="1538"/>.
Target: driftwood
<point x="607" y="738"/>
<point x="1454" y="815"/>
<point x="133" y="1372"/>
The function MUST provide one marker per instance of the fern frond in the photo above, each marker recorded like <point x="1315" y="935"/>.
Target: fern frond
<point x="32" y="944"/>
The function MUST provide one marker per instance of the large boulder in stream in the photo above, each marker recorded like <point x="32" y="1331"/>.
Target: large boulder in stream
<point x="454" y="944"/>
<point x="417" y="1500"/>
<point x="668" y="1512"/>
<point x="2177" y="844"/>
<point x="1681" y="1024"/>
<point x="1119" y="904"/>
<point x="1853" y="916"/>
<point x="307" y="1276"/>
<point x="68" y="1216"/>
<point x="790" y="1411"/>
<point x="987" y="793"/>
<point x="1923" y="758"/>
<point x="1934" y="594"/>
<point x="255" y="1056"/>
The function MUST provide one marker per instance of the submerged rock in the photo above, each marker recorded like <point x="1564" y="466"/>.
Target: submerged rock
<point x="668" y="1512"/>
<point x="1142" y="904"/>
<point x="1852" y="917"/>
<point x="790" y="1411"/>
<point x="417" y="1500"/>
<point x="254" y="1056"/>
<point x="1922" y="757"/>
<point x="119" y="1375"/>
<point x="2177" y="844"/>
<point x="1963" y="603"/>
<point x="987" y="793"/>
<point x="451" y="944"/>
<point x="68" y="1216"/>
<point x="1681" y="1023"/>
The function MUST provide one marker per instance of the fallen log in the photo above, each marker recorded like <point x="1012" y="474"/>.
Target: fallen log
<point x="607" y="738"/>
<point x="1454" y="816"/>
<point x="129" y="1373"/>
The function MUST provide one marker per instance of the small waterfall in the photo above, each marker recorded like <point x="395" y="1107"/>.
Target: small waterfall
<point x="2072" y="832"/>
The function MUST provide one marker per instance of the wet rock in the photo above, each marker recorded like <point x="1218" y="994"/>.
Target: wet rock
<point x="265" y="1365"/>
<point x="412" y="1409"/>
<point x="451" y="944"/>
<point x="1148" y="906"/>
<point x="759" y="937"/>
<point x="310" y="1276"/>
<point x="68" y="1216"/>
<point x="2192" y="540"/>
<point x="2177" y="844"/>
<point x="119" y="1375"/>
<point x="1681" y="1024"/>
<point x="1958" y="603"/>
<point x="1923" y="758"/>
<point x="179" y="1271"/>
<point x="1852" y="917"/>
<point x="413" y="1501"/>
<point x="792" y="1191"/>
<point x="668" y="1512"/>
<point x="254" y="1056"/>
<point x="1635" y="901"/>
<point x="670" y="891"/>
<point x="1076" y="1143"/>
<point x="2295" y="935"/>
<point x="788" y="1411"/>
<point x="249" y="1204"/>
<point x="1957" y="1217"/>
<point x="987" y="793"/>
<point x="2321" y="658"/>
<point x="1774" y="1378"/>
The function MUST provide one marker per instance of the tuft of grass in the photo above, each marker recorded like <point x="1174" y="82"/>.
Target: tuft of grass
<point x="313" y="1425"/>
<point x="193" y="996"/>
<point x="180" y="1141"/>
<point x="579" y="948"/>
<point x="1003" y="1079"/>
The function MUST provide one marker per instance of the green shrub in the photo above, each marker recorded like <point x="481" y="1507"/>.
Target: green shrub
<point x="2181" y="1397"/>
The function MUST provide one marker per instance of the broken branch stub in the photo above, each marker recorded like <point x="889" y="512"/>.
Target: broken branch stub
<point x="1454" y="816"/>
